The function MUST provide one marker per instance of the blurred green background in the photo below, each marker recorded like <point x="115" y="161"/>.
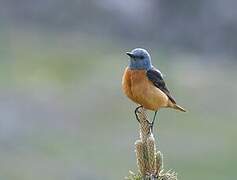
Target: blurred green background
<point x="63" y="114"/>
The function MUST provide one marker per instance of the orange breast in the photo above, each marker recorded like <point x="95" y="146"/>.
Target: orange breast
<point x="141" y="90"/>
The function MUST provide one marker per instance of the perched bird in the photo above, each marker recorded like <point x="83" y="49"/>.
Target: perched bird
<point x="144" y="84"/>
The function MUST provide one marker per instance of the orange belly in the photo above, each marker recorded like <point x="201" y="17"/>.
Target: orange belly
<point x="141" y="90"/>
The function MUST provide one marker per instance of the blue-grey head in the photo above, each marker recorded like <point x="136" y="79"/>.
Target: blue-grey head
<point x="139" y="59"/>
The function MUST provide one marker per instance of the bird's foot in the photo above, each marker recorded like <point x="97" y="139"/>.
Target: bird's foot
<point x="137" y="111"/>
<point x="153" y="121"/>
<point x="150" y="124"/>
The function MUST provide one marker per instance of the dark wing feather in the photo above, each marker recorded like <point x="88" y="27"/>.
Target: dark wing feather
<point x="156" y="78"/>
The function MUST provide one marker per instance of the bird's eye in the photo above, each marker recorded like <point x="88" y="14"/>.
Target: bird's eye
<point x="142" y="57"/>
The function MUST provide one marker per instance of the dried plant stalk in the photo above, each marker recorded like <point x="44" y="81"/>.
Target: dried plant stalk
<point x="141" y="162"/>
<point x="158" y="162"/>
<point x="149" y="160"/>
<point x="144" y="125"/>
<point x="151" y="153"/>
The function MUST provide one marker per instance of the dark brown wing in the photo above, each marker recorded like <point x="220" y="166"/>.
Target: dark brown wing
<point x="156" y="78"/>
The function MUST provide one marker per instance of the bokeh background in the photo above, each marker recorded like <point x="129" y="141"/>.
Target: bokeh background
<point x="62" y="111"/>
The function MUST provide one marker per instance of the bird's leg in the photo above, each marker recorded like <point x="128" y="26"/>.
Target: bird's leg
<point x="136" y="111"/>
<point x="152" y="123"/>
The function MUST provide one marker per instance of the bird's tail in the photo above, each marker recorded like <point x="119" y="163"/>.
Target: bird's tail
<point x="177" y="107"/>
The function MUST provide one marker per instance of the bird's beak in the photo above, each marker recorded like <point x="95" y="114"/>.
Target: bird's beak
<point x="130" y="54"/>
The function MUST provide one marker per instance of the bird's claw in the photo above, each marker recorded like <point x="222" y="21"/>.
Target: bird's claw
<point x="137" y="111"/>
<point x="151" y="124"/>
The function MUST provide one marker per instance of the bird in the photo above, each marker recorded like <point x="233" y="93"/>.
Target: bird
<point x="144" y="84"/>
